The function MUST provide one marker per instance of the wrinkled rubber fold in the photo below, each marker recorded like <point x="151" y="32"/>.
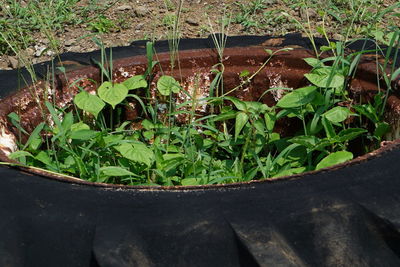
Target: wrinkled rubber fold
<point x="343" y="217"/>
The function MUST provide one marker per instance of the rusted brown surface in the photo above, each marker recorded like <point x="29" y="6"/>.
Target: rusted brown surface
<point x="286" y="69"/>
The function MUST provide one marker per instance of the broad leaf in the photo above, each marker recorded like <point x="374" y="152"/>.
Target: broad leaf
<point x="83" y="134"/>
<point x="19" y="154"/>
<point x="313" y="62"/>
<point x="381" y="129"/>
<point x="298" y="97"/>
<point x="137" y="152"/>
<point x="337" y="114"/>
<point x="89" y="103"/>
<point x="112" y="94"/>
<point x="349" y="134"/>
<point x="241" y="120"/>
<point x="308" y="141"/>
<point x="334" y="158"/>
<point x="115" y="171"/>
<point x="167" y="84"/>
<point x="135" y="82"/>
<point x="239" y="104"/>
<point x="320" y="77"/>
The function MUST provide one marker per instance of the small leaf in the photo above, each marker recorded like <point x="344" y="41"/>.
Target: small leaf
<point x="298" y="97"/>
<point x="239" y="104"/>
<point x="241" y="120"/>
<point x="334" y="158"/>
<point x="290" y="172"/>
<point x="313" y="62"/>
<point x="381" y="129"/>
<point x="167" y="84"/>
<point x="270" y="119"/>
<point x="190" y="181"/>
<point x="349" y="134"/>
<point x="112" y="94"/>
<point x="115" y="171"/>
<point x="79" y="126"/>
<point x="321" y="76"/>
<point x="19" y="153"/>
<point x="89" y="103"/>
<point x="337" y="114"/>
<point x="225" y="116"/>
<point x="137" y="152"/>
<point x="84" y="134"/>
<point x="135" y="82"/>
<point x="308" y="141"/>
<point x="244" y="73"/>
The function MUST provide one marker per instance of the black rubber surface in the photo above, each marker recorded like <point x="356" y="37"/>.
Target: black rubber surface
<point x="346" y="217"/>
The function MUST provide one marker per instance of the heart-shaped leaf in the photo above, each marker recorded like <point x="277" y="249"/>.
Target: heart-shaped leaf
<point x="167" y="84"/>
<point x="112" y="94"/>
<point x="241" y="120"/>
<point x="137" y="152"/>
<point x="89" y="103"/>
<point x="337" y="114"/>
<point x="135" y="82"/>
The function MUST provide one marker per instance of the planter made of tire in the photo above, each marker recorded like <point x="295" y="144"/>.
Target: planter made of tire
<point x="346" y="215"/>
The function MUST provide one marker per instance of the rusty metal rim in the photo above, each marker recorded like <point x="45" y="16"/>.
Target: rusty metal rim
<point x="385" y="148"/>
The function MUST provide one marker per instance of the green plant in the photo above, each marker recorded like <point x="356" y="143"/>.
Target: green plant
<point x="102" y="24"/>
<point x="237" y="143"/>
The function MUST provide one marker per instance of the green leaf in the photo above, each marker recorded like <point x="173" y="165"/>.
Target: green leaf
<point x="44" y="157"/>
<point x="241" y="120"/>
<point x="112" y="94"/>
<point x="84" y="134"/>
<point x="334" y="158"/>
<point x="19" y="154"/>
<point x="89" y="103"/>
<point x="79" y="126"/>
<point x="137" y="152"/>
<point x="239" y="104"/>
<point x="291" y="171"/>
<point x="308" y="141"/>
<point x="313" y="62"/>
<point x="15" y="120"/>
<point x="298" y="97"/>
<point x="135" y="82"/>
<point x="270" y="119"/>
<point x="337" y="114"/>
<point x="349" y="134"/>
<point x="191" y="181"/>
<point x="115" y="171"/>
<point x="321" y="76"/>
<point x="381" y="129"/>
<point x="225" y="116"/>
<point x="329" y="130"/>
<point x="167" y="84"/>
<point x="35" y="140"/>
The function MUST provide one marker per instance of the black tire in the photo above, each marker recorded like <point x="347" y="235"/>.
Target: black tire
<point x="347" y="216"/>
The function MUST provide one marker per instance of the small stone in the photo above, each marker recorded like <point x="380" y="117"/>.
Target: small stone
<point x="270" y="2"/>
<point x="69" y="42"/>
<point x="338" y="37"/>
<point x="13" y="62"/>
<point x="29" y="52"/>
<point x="50" y="53"/>
<point x="192" y="21"/>
<point x="74" y="48"/>
<point x="123" y="8"/>
<point x="141" y="11"/>
<point x="39" y="49"/>
<point x="139" y="26"/>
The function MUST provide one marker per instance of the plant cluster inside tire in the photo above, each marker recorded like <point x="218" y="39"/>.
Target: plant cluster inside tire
<point x="158" y="125"/>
